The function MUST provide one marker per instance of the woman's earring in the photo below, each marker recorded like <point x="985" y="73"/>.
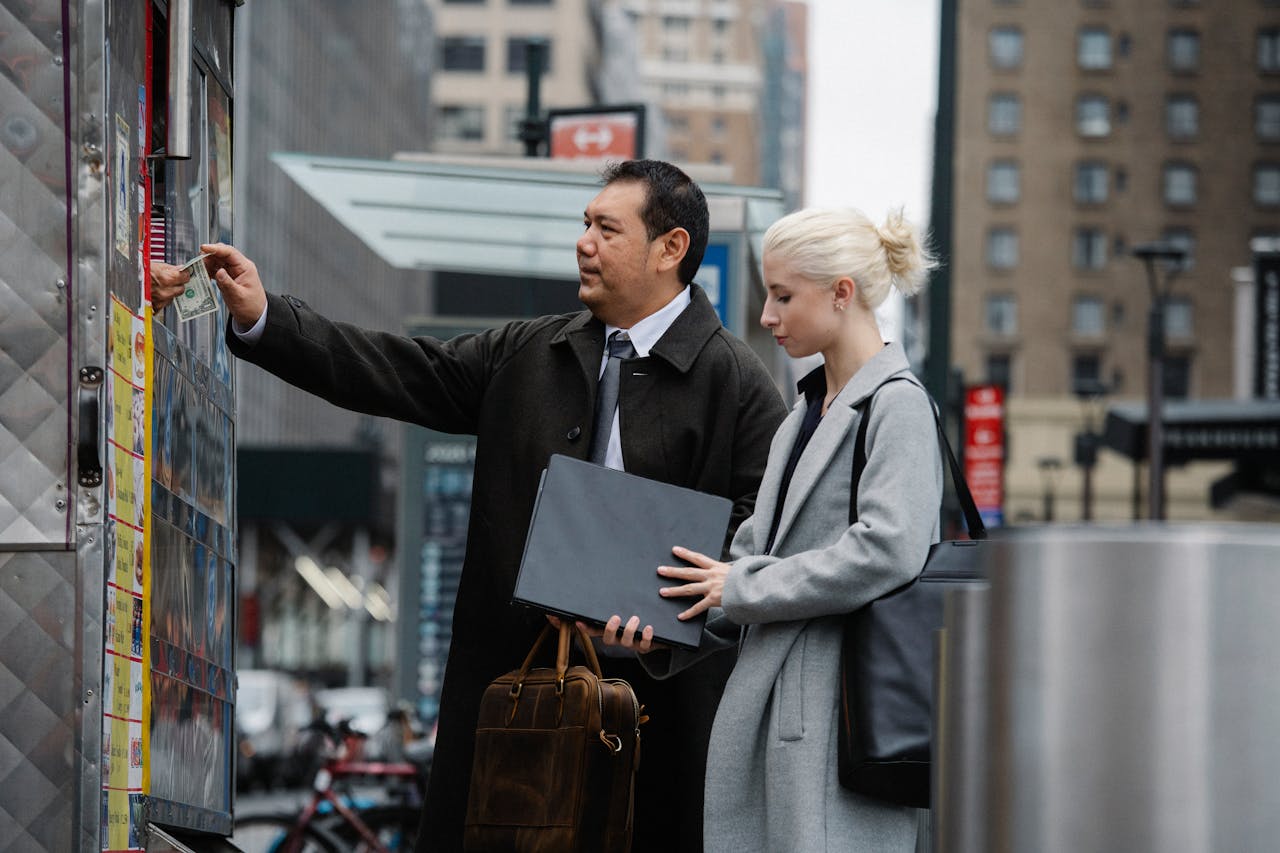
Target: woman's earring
<point x="839" y="306"/>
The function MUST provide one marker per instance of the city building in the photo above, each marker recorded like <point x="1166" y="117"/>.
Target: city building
<point x="316" y="488"/>
<point x="480" y="83"/>
<point x="1080" y="130"/>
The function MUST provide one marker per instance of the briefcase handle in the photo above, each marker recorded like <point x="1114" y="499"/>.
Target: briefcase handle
<point x="568" y="630"/>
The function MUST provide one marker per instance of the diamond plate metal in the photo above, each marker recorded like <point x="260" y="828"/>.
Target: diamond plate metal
<point x="35" y="354"/>
<point x="39" y="707"/>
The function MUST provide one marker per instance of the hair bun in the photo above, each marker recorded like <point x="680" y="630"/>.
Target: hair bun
<point x="905" y="258"/>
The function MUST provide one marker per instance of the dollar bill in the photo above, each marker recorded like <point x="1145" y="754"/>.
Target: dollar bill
<point x="199" y="298"/>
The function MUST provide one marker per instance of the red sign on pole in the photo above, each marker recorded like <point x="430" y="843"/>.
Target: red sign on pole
<point x="594" y="133"/>
<point x="984" y="450"/>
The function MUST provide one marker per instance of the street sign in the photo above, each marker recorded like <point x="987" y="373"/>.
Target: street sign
<point x="597" y="132"/>
<point x="984" y="450"/>
<point x="713" y="275"/>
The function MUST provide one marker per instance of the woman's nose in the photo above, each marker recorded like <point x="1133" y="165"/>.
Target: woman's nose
<point x="767" y="319"/>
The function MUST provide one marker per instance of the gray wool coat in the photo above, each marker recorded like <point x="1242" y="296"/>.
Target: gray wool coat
<point x="771" y="779"/>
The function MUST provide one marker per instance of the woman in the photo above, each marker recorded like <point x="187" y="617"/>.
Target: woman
<point x="798" y="566"/>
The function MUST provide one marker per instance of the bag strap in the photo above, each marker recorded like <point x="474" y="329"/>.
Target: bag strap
<point x="568" y="631"/>
<point x="972" y="520"/>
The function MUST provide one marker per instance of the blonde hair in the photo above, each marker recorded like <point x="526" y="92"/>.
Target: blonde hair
<point x="825" y="245"/>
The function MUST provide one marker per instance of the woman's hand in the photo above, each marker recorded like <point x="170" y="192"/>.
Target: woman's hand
<point x="705" y="578"/>
<point x="167" y="281"/>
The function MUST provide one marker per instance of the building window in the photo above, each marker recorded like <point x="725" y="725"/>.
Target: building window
<point x="1266" y="118"/>
<point x="1184" y="50"/>
<point x="677" y="123"/>
<point x="1093" y="49"/>
<point x="676" y="23"/>
<point x="1088" y="317"/>
<point x="1004" y="114"/>
<point x="718" y="126"/>
<point x="1181" y="116"/>
<point x="1266" y="184"/>
<point x="1002" y="182"/>
<point x="1090" y="184"/>
<point x="1093" y="116"/>
<point x="1178" y="317"/>
<point x="1000" y="370"/>
<point x="462" y="53"/>
<point x="1002" y="248"/>
<point x="1089" y="249"/>
<point x="518" y="49"/>
<point x="1177" y="376"/>
<point x="1002" y="314"/>
<point x="1269" y="49"/>
<point x="1181" y="238"/>
<point x="675" y="54"/>
<point x="529" y="2"/>
<point x="1004" y="45"/>
<point x="1179" y="184"/>
<point x="460" y="123"/>
<point x="1086" y="372"/>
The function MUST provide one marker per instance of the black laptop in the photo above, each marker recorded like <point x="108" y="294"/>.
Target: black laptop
<point x="597" y="538"/>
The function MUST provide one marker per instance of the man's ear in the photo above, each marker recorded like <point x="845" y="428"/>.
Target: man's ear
<point x="672" y="247"/>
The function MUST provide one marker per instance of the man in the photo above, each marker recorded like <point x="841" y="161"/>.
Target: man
<point x="695" y="408"/>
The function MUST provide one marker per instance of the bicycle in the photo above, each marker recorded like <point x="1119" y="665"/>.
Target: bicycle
<point x="332" y="820"/>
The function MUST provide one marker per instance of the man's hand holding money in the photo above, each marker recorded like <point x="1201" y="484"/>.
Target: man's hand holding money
<point x="237" y="278"/>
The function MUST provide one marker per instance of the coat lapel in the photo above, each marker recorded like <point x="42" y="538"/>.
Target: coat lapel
<point x="584" y="334"/>
<point x="767" y="494"/>
<point x="826" y="440"/>
<point x="835" y="425"/>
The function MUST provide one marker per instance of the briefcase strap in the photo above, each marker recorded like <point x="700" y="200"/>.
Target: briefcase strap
<point x="568" y="630"/>
<point x="972" y="520"/>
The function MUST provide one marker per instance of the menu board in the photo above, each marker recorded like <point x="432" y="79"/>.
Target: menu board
<point x="126" y="693"/>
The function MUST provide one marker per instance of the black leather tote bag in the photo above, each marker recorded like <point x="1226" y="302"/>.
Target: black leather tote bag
<point x="887" y="658"/>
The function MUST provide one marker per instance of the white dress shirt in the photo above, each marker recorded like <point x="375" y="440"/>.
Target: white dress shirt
<point x="643" y="335"/>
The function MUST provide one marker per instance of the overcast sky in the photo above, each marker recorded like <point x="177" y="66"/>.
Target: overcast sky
<point x="872" y="93"/>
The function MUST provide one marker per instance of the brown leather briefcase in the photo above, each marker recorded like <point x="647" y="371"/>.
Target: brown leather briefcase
<point x="556" y="757"/>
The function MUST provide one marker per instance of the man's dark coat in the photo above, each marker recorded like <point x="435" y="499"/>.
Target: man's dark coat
<point x="698" y="412"/>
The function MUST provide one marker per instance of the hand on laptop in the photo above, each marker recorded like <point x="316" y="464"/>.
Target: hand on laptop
<point x="704" y="578"/>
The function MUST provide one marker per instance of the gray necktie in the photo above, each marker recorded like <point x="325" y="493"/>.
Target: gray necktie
<point x="607" y="394"/>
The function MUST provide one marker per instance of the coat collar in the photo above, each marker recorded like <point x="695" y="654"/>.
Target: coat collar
<point x="679" y="346"/>
<point x="835" y="425"/>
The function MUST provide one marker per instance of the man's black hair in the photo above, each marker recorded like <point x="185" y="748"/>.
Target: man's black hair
<point x="672" y="200"/>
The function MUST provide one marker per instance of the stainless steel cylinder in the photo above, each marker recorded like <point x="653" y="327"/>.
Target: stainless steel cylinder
<point x="1134" y="690"/>
<point x="960" y="725"/>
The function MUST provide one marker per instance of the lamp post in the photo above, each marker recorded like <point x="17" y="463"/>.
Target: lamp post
<point x="533" y="127"/>
<point x="1087" y="442"/>
<point x="1149" y="254"/>
<point x="1048" y="466"/>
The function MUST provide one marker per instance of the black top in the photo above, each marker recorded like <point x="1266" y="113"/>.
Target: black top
<point x="814" y="388"/>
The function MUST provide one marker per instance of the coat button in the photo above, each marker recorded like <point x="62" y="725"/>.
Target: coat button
<point x="574" y="433"/>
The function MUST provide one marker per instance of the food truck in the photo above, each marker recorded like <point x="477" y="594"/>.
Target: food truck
<point x="117" y="428"/>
